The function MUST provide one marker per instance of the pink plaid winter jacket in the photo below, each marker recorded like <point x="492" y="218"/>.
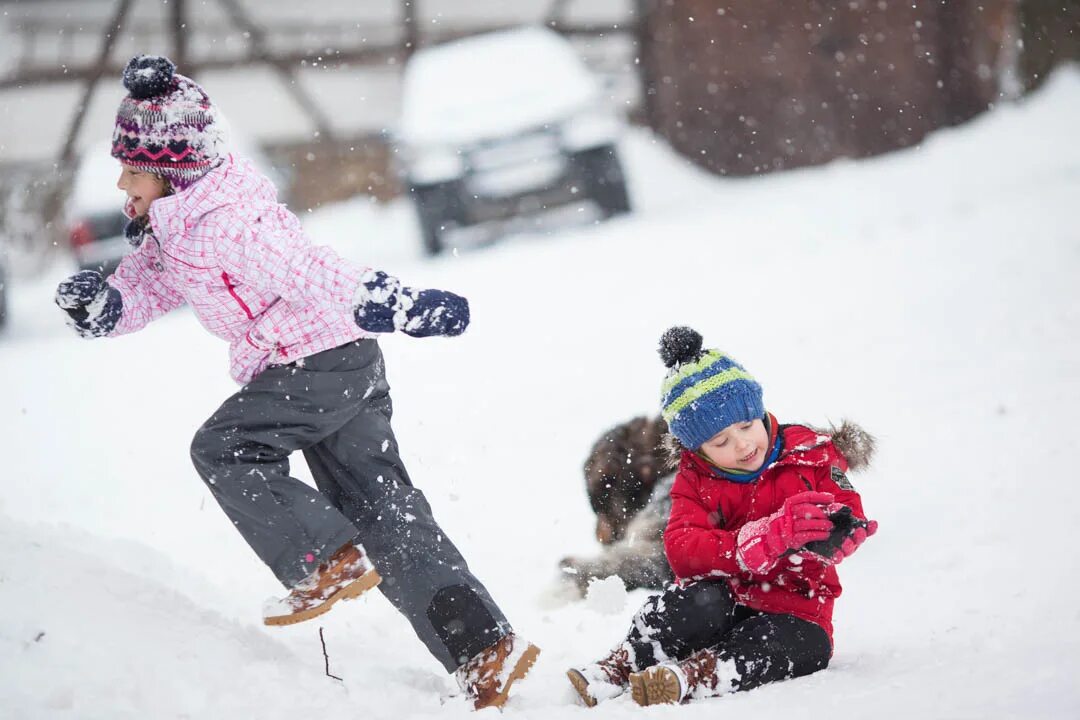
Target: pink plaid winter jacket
<point x="241" y="260"/>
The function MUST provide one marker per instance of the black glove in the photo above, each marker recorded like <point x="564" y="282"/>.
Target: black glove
<point x="92" y="306"/>
<point x="844" y="524"/>
<point x="383" y="305"/>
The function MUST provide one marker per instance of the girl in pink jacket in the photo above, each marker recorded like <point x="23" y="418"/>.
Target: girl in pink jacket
<point x="301" y="324"/>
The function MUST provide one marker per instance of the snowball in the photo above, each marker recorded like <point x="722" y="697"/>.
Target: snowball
<point x="606" y="596"/>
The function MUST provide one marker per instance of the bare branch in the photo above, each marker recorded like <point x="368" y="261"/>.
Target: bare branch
<point x="368" y="54"/>
<point x="326" y="658"/>
<point x="112" y="30"/>
<point x="286" y="71"/>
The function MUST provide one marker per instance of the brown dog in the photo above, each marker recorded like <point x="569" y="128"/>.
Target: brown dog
<point x="628" y="478"/>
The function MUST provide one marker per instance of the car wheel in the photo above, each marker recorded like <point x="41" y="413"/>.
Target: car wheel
<point x="602" y="174"/>
<point x="438" y="207"/>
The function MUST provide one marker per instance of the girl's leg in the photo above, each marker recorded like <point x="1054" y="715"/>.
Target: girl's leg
<point x="242" y="453"/>
<point x="761" y="649"/>
<point x="424" y="576"/>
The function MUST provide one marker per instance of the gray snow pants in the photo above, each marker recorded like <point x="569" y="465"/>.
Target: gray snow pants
<point x="335" y="407"/>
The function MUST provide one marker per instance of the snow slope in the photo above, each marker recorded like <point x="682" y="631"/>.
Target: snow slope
<point x="931" y="295"/>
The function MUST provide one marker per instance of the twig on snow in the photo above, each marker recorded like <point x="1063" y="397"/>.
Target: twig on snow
<point x="326" y="658"/>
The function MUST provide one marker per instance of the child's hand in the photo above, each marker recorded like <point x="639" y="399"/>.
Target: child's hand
<point x="802" y="519"/>
<point x="844" y="525"/>
<point x="852" y="541"/>
<point x="92" y="306"/>
<point x="436" y="312"/>
<point x="383" y="305"/>
<point x="377" y="300"/>
<point x="136" y="230"/>
<point x="79" y="290"/>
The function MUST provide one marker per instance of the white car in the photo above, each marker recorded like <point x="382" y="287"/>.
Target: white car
<point x="502" y="124"/>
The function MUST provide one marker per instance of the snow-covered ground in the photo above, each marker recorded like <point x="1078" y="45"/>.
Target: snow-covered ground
<point x="931" y="295"/>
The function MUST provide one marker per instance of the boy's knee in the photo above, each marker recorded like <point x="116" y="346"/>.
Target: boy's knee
<point x="710" y="593"/>
<point x="805" y="644"/>
<point x="709" y="601"/>
<point x="817" y="649"/>
<point x="688" y="618"/>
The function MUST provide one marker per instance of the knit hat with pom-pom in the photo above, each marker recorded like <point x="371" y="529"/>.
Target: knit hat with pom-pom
<point x="705" y="390"/>
<point x="166" y="125"/>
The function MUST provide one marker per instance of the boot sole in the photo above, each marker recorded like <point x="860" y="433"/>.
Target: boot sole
<point x="521" y="669"/>
<point x="355" y="589"/>
<point x="582" y="686"/>
<point x="655" y="686"/>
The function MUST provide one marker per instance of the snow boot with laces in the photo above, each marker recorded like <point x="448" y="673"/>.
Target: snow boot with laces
<point x="487" y="677"/>
<point x="700" y="675"/>
<point x="606" y="678"/>
<point x="345" y="575"/>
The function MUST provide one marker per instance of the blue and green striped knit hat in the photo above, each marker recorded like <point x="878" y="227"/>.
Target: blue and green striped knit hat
<point x="705" y="390"/>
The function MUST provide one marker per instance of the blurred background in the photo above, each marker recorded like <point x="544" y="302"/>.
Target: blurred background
<point x="336" y="99"/>
<point x="870" y="203"/>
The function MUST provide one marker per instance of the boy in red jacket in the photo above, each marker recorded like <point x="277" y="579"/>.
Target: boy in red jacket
<point x="761" y="515"/>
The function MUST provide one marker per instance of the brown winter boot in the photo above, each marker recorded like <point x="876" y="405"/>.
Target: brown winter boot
<point x="346" y="575"/>
<point x="671" y="683"/>
<point x="656" y="685"/>
<point x="487" y="677"/>
<point x="603" y="679"/>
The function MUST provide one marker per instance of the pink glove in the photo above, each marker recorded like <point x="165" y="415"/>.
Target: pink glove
<point x="802" y="519"/>
<point x="853" y="541"/>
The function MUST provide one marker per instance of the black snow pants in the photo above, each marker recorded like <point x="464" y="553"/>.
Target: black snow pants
<point x="751" y="647"/>
<point x="335" y="407"/>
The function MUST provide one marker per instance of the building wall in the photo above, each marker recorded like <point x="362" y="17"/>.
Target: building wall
<point x="1051" y="33"/>
<point x="751" y="86"/>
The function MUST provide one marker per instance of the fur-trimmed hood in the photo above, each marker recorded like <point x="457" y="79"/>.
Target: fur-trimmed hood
<point x="851" y="440"/>
<point x="855" y="444"/>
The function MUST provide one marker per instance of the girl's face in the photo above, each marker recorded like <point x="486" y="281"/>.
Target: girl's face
<point x="141" y="187"/>
<point x="742" y="446"/>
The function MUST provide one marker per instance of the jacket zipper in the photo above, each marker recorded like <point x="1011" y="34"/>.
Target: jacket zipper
<point x="232" y="291"/>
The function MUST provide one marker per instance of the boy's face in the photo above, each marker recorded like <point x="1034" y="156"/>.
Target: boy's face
<point x="141" y="187"/>
<point x="742" y="446"/>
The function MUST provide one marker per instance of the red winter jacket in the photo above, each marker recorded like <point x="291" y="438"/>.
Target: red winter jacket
<point x="707" y="511"/>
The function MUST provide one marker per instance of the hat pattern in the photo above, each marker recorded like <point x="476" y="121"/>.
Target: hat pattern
<point x="704" y="391"/>
<point x="166" y="125"/>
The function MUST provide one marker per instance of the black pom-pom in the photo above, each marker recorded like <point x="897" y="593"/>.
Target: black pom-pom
<point x="148" y="75"/>
<point x="679" y="345"/>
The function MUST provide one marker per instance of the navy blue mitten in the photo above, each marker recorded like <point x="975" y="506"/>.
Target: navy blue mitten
<point x="436" y="312"/>
<point x="376" y="302"/>
<point x="136" y="230"/>
<point x="93" y="307"/>
<point x="383" y="305"/>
